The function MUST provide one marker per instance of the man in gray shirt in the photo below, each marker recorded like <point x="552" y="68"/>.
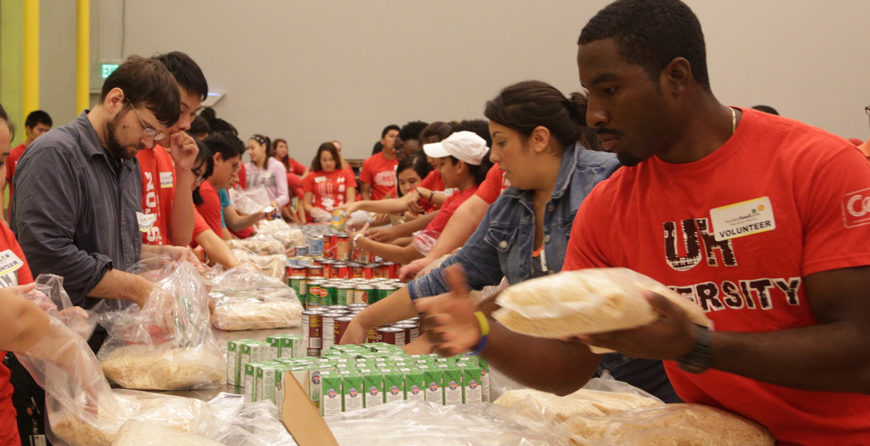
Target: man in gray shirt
<point x="77" y="205"/>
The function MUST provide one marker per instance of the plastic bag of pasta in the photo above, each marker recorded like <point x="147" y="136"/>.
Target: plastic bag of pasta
<point x="168" y="344"/>
<point x="245" y="299"/>
<point x="585" y="301"/>
<point x="138" y="433"/>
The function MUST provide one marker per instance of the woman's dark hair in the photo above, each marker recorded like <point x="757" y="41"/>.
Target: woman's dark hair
<point x="435" y="132"/>
<point x="204" y="159"/>
<point x="286" y="160"/>
<point x="328" y="147"/>
<point x="227" y="144"/>
<point x="264" y="140"/>
<point x="416" y="161"/>
<point x="526" y="105"/>
<point x="217" y="124"/>
<point x="146" y="82"/>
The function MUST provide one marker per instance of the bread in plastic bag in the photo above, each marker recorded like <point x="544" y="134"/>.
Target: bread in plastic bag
<point x="669" y="424"/>
<point x="138" y="433"/>
<point x="585" y="401"/>
<point x="279" y="230"/>
<point x="585" y="301"/>
<point x="245" y="299"/>
<point x="259" y="245"/>
<point x="169" y="344"/>
<point x="249" y="201"/>
<point x="272" y="265"/>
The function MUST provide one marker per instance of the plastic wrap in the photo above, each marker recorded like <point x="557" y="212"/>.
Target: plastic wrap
<point x="258" y="245"/>
<point x="138" y="433"/>
<point x="167" y="345"/>
<point x="50" y="296"/>
<point x="244" y="299"/>
<point x="251" y="200"/>
<point x="585" y="301"/>
<point x="320" y="215"/>
<point x="279" y="230"/>
<point x="273" y="265"/>
<point x="424" y="241"/>
<point x="252" y="424"/>
<point x="671" y="424"/>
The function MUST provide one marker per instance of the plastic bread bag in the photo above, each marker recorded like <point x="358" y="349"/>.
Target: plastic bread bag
<point x="244" y="299"/>
<point x="668" y="424"/>
<point x="138" y="433"/>
<point x="249" y="201"/>
<point x="273" y="266"/>
<point x="279" y="230"/>
<point x="168" y="344"/>
<point x="585" y="301"/>
<point x="258" y="244"/>
<point x="424" y="424"/>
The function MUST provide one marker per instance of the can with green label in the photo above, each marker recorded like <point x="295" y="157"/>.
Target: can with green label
<point x="344" y="295"/>
<point x="314" y="292"/>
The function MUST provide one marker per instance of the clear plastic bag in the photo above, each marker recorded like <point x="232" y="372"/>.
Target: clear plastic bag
<point x="169" y="344"/>
<point x="138" y="433"/>
<point x="424" y="241"/>
<point x="320" y="215"/>
<point x="259" y="245"/>
<point x="50" y="296"/>
<point x="273" y="265"/>
<point x="601" y="396"/>
<point x="284" y="233"/>
<point x="249" y="201"/>
<point x="244" y="299"/>
<point x="668" y="424"/>
<point x="252" y="424"/>
<point x="585" y="302"/>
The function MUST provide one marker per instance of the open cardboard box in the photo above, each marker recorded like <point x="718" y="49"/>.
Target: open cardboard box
<point x="301" y="417"/>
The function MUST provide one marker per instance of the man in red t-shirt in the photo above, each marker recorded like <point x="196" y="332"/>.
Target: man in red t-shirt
<point x="37" y="123"/>
<point x="378" y="174"/>
<point x="167" y="204"/>
<point x="759" y="220"/>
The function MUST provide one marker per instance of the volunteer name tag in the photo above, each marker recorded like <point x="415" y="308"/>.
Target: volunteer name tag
<point x="165" y="179"/>
<point x="319" y="179"/>
<point x="9" y="262"/>
<point x="146" y="221"/>
<point x="742" y="219"/>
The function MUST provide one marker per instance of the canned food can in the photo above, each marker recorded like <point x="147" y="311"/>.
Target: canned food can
<point x="390" y="335"/>
<point x="382" y="271"/>
<point x="370" y="271"/>
<point x="372" y="335"/>
<point x="313" y="352"/>
<point x="392" y="270"/>
<point x="342" y="247"/>
<point x="299" y="285"/>
<point x="328" y="250"/>
<point x="364" y="294"/>
<point x="340" y="270"/>
<point x="327" y="294"/>
<point x="356" y="306"/>
<point x="344" y="295"/>
<point x="412" y="332"/>
<point x="341" y="325"/>
<point x="314" y="299"/>
<point x="312" y="329"/>
<point x="328" y="331"/>
<point x="333" y="244"/>
<point x="384" y="291"/>
<point x="315" y="271"/>
<point x="362" y="256"/>
<point x="357" y="271"/>
<point x="315" y="246"/>
<point x="327" y="268"/>
<point x="302" y="250"/>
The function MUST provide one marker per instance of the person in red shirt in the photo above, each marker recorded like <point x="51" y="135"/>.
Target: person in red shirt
<point x="462" y="160"/>
<point x="378" y="174"/>
<point x="166" y="171"/>
<point x="295" y="172"/>
<point x="227" y="155"/>
<point x="761" y="221"/>
<point x="411" y="171"/>
<point x="326" y="186"/>
<point x="37" y="123"/>
<point x="215" y="249"/>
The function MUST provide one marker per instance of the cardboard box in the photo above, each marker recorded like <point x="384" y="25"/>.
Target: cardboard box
<point x="301" y="418"/>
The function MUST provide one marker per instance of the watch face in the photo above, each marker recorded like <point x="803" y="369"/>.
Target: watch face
<point x="692" y="368"/>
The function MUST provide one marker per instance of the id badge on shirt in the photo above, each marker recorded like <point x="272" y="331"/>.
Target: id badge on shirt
<point x="146" y="221"/>
<point x="742" y="219"/>
<point x="165" y="180"/>
<point x="9" y="264"/>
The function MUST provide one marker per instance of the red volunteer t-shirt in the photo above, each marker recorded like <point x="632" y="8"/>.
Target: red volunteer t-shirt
<point x="450" y="205"/>
<point x="158" y="191"/>
<point x="433" y="181"/>
<point x="381" y="174"/>
<point x="199" y="225"/>
<point x="18" y="274"/>
<point x="11" y="164"/>
<point x="294" y="184"/>
<point x="799" y="194"/>
<point x="243" y="177"/>
<point x="329" y="189"/>
<point x="210" y="209"/>
<point x="494" y="184"/>
<point x="295" y="166"/>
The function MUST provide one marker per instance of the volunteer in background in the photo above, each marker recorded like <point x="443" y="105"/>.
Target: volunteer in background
<point x="788" y="297"/>
<point x="327" y="186"/>
<point x="227" y="158"/>
<point x="264" y="170"/>
<point x="165" y="168"/>
<point x="37" y="123"/>
<point x="295" y="172"/>
<point x="411" y="171"/>
<point x="378" y="174"/>
<point x="215" y="248"/>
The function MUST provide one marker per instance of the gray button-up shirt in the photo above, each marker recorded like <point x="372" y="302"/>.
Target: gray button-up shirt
<point x="74" y="208"/>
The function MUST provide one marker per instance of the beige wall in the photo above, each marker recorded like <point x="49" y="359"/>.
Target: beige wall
<point x="312" y="71"/>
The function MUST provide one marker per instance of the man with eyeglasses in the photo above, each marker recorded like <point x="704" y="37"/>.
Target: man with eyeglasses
<point x="167" y="205"/>
<point x="78" y="189"/>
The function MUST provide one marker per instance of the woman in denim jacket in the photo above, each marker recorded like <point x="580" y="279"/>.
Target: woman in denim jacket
<point x="539" y="138"/>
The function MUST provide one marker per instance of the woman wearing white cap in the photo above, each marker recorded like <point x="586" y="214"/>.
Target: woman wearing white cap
<point x="463" y="164"/>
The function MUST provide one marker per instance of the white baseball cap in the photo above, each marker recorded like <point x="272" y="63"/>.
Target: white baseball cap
<point x="464" y="146"/>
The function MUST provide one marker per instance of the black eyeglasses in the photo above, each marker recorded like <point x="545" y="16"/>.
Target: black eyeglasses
<point x="867" y="109"/>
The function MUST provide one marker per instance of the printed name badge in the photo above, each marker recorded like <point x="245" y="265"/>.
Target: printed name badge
<point x="742" y="219"/>
<point x="319" y="179"/>
<point x="9" y="262"/>
<point x="165" y="179"/>
<point x="146" y="221"/>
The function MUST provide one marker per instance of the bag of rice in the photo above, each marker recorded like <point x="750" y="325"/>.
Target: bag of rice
<point x="244" y="299"/>
<point x="585" y="301"/>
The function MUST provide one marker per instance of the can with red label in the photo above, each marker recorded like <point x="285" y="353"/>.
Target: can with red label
<point x="342" y="247"/>
<point x="327" y="268"/>
<point x="372" y="335"/>
<point x="328" y="250"/>
<point x="370" y="271"/>
<point x="392" y="270"/>
<point x="341" y="325"/>
<point x="333" y="245"/>
<point x="315" y="271"/>
<point x="298" y="270"/>
<point x="390" y="335"/>
<point x="362" y="256"/>
<point x="411" y="331"/>
<point x="340" y="270"/>
<point x="312" y="329"/>
<point x="357" y="270"/>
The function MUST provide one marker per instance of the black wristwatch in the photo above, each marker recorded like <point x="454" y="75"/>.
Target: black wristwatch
<point x="698" y="360"/>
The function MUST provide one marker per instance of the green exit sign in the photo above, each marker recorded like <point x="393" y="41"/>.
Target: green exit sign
<point x="107" y="68"/>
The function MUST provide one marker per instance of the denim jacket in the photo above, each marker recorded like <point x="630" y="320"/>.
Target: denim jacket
<point x="503" y="243"/>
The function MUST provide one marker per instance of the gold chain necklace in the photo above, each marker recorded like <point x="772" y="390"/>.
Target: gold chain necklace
<point x="733" y="120"/>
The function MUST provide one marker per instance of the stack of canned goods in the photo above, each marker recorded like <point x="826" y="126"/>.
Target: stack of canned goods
<point x="326" y="282"/>
<point x="324" y="327"/>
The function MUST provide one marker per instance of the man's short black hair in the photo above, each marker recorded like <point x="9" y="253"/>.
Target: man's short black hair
<point x="187" y="73"/>
<point x="37" y="117"/>
<point x="652" y="33"/>
<point x="766" y="109"/>
<point x="199" y="126"/>
<point x="388" y="128"/>
<point x="225" y="143"/>
<point x="412" y="130"/>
